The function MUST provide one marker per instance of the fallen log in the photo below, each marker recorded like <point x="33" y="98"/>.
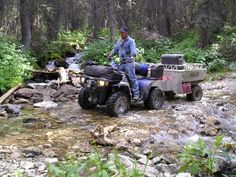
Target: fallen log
<point x="8" y="93"/>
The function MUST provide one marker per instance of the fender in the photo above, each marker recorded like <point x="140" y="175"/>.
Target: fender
<point x="125" y="87"/>
<point x="144" y="87"/>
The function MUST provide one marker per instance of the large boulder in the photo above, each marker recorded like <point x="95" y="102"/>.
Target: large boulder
<point x="65" y="90"/>
<point x="27" y="93"/>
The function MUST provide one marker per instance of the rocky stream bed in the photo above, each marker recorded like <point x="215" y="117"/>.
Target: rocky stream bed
<point x="38" y="135"/>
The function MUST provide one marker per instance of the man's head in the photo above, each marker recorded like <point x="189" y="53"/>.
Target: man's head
<point x="123" y="32"/>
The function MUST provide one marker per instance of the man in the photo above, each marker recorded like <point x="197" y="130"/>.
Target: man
<point x="126" y="48"/>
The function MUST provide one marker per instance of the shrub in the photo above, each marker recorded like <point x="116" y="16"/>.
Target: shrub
<point x="153" y="49"/>
<point x="200" y="159"/>
<point x="218" y="65"/>
<point x="94" y="166"/>
<point x="228" y="43"/>
<point x="98" y="51"/>
<point x="185" y="40"/>
<point x="15" y="65"/>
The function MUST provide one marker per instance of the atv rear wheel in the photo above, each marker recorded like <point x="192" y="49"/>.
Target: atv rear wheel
<point x="83" y="100"/>
<point x="196" y="94"/>
<point x="117" y="104"/>
<point x="155" y="99"/>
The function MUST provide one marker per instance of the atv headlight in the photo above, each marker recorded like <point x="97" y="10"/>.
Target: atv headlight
<point x="82" y="80"/>
<point x="102" y="83"/>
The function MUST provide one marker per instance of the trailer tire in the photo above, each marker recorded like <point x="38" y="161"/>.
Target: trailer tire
<point x="83" y="100"/>
<point x="196" y="94"/>
<point x="155" y="99"/>
<point x="117" y="104"/>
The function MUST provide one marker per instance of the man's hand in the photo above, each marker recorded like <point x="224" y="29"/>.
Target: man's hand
<point x="109" y="57"/>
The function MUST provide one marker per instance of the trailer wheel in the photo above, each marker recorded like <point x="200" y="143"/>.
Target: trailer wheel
<point x="83" y="100"/>
<point x="196" y="94"/>
<point x="155" y="99"/>
<point x="170" y="95"/>
<point x="117" y="104"/>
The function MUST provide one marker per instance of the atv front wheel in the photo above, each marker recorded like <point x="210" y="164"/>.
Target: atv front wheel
<point x="196" y="94"/>
<point x="83" y="100"/>
<point x="155" y="99"/>
<point x="117" y="104"/>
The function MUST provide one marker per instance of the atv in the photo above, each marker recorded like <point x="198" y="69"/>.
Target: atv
<point x="104" y="85"/>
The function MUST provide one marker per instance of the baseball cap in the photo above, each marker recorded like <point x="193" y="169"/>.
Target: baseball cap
<point x="124" y="29"/>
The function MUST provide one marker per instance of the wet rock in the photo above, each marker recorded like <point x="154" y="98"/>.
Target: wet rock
<point x="26" y="93"/>
<point x="46" y="104"/>
<point x="123" y="145"/>
<point x="36" y="99"/>
<point x="31" y="172"/>
<point x="21" y="101"/>
<point x="210" y="120"/>
<point x="26" y="165"/>
<point x="150" y="171"/>
<point x="193" y="139"/>
<point x="209" y="131"/>
<point x="152" y="140"/>
<point x="184" y="175"/>
<point x="49" y="153"/>
<point x="164" y="168"/>
<point x="156" y="160"/>
<point x="2" y="156"/>
<point x="16" y="155"/>
<point x="173" y="132"/>
<point x="30" y="120"/>
<point x="3" y="113"/>
<point x="31" y="152"/>
<point x="3" y="173"/>
<point x="46" y="91"/>
<point x="41" y="167"/>
<point x="51" y="160"/>
<point x="145" y="161"/>
<point x="13" y="109"/>
<point x="223" y="109"/>
<point x="127" y="161"/>
<point x="65" y="90"/>
<point x="166" y="160"/>
<point x="146" y="152"/>
<point x="136" y="142"/>
<point x="62" y="98"/>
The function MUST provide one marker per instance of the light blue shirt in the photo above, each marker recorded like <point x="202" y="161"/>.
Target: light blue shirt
<point x="125" y="48"/>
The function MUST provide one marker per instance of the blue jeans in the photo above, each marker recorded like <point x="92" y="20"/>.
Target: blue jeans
<point x="129" y="69"/>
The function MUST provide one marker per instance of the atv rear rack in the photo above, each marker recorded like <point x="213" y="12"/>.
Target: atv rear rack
<point x="188" y="66"/>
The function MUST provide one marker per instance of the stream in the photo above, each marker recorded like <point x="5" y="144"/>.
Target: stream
<point x="55" y="132"/>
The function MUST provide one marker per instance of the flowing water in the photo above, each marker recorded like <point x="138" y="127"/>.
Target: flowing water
<point x="67" y="126"/>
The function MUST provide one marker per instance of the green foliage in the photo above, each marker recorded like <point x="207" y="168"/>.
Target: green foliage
<point x="186" y="43"/>
<point x="186" y="39"/>
<point x="18" y="174"/>
<point x="153" y="49"/>
<point x="73" y="37"/>
<point x="200" y="159"/>
<point x="98" y="51"/>
<point x="94" y="166"/>
<point x="15" y="65"/>
<point x="66" y="44"/>
<point x="228" y="43"/>
<point x="69" y="168"/>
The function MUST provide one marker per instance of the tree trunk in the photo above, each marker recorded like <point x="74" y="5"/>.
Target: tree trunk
<point x="111" y="21"/>
<point x="95" y="19"/>
<point x="25" y="23"/>
<point x="52" y="19"/>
